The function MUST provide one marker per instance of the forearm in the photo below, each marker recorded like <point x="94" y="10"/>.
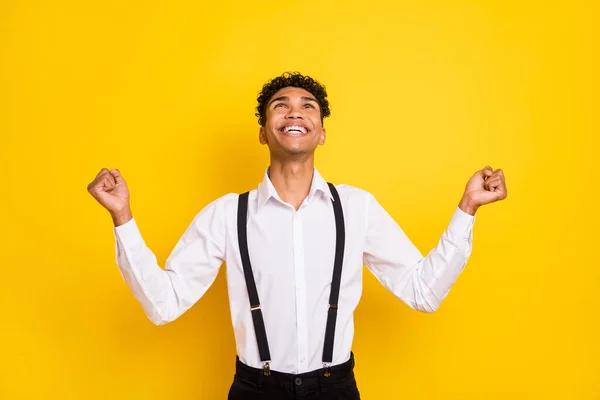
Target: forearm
<point x="149" y="283"/>
<point x="421" y="282"/>
<point x="434" y="275"/>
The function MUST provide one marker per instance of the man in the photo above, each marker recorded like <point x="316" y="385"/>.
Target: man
<point x="294" y="249"/>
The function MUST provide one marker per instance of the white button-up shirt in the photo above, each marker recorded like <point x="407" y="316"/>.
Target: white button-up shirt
<point x="292" y="253"/>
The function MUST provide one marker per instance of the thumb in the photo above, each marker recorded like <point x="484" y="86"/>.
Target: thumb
<point x="487" y="171"/>
<point x="117" y="175"/>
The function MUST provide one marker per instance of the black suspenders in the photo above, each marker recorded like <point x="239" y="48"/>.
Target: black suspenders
<point x="257" y="317"/>
<point x="340" y="239"/>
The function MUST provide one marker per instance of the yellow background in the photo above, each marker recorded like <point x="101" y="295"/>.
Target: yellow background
<point x="422" y="95"/>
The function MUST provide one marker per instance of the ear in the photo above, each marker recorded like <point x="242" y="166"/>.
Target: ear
<point x="323" y="137"/>
<point x="262" y="135"/>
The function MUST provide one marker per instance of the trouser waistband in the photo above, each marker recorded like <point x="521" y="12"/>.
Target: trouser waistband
<point x="338" y="372"/>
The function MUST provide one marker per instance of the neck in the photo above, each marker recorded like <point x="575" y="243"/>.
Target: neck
<point x="292" y="178"/>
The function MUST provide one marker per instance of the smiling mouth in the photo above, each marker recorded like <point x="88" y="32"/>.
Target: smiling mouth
<point x="294" y="130"/>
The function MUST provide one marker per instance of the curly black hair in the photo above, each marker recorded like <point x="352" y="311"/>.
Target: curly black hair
<point x="294" y="79"/>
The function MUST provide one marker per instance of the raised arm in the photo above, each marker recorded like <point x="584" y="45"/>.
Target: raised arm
<point x="420" y="281"/>
<point x="190" y="269"/>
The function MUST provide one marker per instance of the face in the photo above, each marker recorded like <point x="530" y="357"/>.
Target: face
<point x="293" y="123"/>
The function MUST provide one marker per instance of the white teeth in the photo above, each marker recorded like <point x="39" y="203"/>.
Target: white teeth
<point x="294" y="128"/>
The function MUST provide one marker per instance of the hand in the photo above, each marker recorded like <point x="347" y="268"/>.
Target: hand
<point x="110" y="190"/>
<point x="485" y="187"/>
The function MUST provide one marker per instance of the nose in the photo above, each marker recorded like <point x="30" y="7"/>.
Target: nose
<point x="294" y="113"/>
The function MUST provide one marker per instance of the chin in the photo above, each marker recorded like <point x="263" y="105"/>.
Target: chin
<point x="300" y="151"/>
<point x="293" y="151"/>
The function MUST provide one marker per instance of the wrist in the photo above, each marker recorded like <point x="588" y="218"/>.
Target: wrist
<point x="467" y="205"/>
<point x="121" y="217"/>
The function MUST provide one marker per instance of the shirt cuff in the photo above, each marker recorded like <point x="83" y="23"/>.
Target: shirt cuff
<point x="461" y="223"/>
<point x="128" y="234"/>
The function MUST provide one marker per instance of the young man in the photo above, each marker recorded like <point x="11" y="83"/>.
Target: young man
<point x="294" y="249"/>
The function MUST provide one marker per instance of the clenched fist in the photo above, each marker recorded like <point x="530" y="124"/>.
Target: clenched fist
<point x="485" y="187"/>
<point x="110" y="189"/>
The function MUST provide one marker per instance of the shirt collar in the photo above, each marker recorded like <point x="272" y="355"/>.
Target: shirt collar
<point x="266" y="190"/>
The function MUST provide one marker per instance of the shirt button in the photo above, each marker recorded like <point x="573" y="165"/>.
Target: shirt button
<point x="302" y="359"/>
<point x="298" y="381"/>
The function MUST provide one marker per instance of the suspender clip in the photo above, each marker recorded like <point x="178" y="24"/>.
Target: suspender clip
<point x="334" y="306"/>
<point x="255" y="308"/>
<point x="327" y="369"/>
<point x="266" y="368"/>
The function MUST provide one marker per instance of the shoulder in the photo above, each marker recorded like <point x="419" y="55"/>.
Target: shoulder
<point x="350" y="191"/>
<point x="213" y="216"/>
<point x="228" y="200"/>
<point x="353" y="195"/>
<point x="218" y="206"/>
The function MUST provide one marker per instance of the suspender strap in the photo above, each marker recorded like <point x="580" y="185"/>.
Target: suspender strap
<point x="257" y="317"/>
<point x="334" y="296"/>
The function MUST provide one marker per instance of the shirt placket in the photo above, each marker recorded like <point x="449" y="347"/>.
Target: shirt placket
<point x="300" y="285"/>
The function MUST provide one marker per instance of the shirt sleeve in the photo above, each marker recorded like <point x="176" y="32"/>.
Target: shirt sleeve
<point x="421" y="282"/>
<point x="190" y="269"/>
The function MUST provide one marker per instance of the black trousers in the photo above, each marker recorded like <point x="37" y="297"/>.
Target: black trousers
<point x="251" y="384"/>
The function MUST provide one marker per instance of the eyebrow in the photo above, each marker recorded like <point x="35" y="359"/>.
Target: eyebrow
<point x="285" y="98"/>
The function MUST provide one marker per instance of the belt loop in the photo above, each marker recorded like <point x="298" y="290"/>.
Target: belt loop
<point x="260" y="376"/>
<point x="322" y="383"/>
